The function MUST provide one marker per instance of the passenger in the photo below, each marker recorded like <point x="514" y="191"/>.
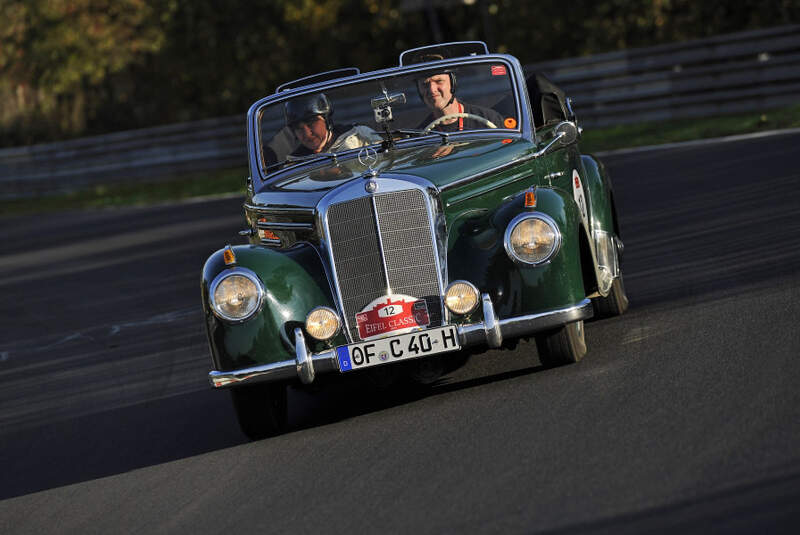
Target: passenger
<point x="438" y="92"/>
<point x="309" y="118"/>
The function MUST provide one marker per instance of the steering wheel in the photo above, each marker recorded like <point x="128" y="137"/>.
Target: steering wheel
<point x="443" y="118"/>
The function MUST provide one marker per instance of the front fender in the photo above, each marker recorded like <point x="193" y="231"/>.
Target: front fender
<point x="477" y="254"/>
<point x="604" y="226"/>
<point x="294" y="282"/>
<point x="598" y="186"/>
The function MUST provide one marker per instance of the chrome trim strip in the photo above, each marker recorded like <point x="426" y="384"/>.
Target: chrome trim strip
<point x="483" y="174"/>
<point x="380" y="242"/>
<point x="271" y="225"/>
<point x="508" y="165"/>
<point x="499" y="184"/>
<point x="440" y="243"/>
<point x="472" y="334"/>
<point x="266" y="209"/>
<point x="330" y="263"/>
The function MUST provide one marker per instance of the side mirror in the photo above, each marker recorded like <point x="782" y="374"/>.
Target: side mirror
<point x="567" y="133"/>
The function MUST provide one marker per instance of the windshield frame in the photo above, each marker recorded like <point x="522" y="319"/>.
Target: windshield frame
<point x="516" y="75"/>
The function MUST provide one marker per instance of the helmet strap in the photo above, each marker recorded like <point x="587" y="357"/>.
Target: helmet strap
<point x="328" y="140"/>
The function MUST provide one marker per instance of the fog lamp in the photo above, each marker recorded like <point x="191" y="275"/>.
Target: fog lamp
<point x="461" y="297"/>
<point x="322" y="323"/>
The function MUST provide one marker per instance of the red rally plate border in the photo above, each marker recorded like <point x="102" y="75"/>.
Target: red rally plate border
<point x="395" y="348"/>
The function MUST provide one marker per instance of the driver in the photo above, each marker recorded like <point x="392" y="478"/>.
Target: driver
<point x="309" y="119"/>
<point x="438" y="92"/>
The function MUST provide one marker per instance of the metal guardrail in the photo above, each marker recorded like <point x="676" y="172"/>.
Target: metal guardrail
<point x="153" y="153"/>
<point x="744" y="71"/>
<point x="729" y="73"/>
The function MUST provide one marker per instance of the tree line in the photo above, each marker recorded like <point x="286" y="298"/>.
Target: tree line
<point x="81" y="67"/>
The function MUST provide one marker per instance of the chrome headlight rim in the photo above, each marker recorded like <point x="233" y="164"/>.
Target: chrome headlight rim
<point x="474" y="289"/>
<point x="516" y="221"/>
<point x="244" y="272"/>
<point x="334" y="313"/>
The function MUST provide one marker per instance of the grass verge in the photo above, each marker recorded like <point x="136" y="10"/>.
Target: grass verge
<point x="134" y="193"/>
<point x="656" y="133"/>
<point x="232" y="180"/>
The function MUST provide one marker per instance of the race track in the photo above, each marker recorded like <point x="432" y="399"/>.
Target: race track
<point x="683" y="418"/>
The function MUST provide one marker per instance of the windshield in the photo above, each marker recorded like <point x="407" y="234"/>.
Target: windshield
<point x="452" y="99"/>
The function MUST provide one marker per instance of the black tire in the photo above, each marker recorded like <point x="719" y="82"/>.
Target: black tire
<point x="261" y="409"/>
<point x="615" y="303"/>
<point x="565" y="345"/>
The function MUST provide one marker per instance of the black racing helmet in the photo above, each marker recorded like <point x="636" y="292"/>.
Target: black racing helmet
<point x="306" y="107"/>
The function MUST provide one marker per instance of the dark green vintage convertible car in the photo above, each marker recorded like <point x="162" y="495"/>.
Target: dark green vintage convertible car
<point x="398" y="218"/>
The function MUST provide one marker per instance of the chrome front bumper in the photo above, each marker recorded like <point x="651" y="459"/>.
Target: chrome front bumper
<point x="490" y="331"/>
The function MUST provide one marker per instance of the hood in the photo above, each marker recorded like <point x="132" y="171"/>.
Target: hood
<point x="437" y="163"/>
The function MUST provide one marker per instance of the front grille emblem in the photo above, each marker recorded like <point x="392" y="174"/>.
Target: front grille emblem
<point x="371" y="186"/>
<point x="368" y="157"/>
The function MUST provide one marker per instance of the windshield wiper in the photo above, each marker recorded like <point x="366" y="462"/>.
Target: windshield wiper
<point x="292" y="160"/>
<point x="412" y="131"/>
<point x="309" y="157"/>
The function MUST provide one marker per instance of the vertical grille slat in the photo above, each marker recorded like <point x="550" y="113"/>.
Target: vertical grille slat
<point x="408" y="258"/>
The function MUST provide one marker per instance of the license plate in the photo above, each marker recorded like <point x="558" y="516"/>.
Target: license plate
<point x="402" y="347"/>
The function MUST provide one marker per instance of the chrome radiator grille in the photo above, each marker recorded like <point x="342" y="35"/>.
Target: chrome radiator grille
<point x="387" y="241"/>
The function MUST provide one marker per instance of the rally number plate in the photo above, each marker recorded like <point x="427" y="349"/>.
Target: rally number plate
<point x="402" y="347"/>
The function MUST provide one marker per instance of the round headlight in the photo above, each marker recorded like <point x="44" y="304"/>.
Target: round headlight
<point x="532" y="238"/>
<point x="236" y="295"/>
<point x="461" y="297"/>
<point x="322" y="323"/>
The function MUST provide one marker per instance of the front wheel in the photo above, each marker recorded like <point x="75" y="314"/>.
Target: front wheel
<point x="262" y="409"/>
<point x="565" y="345"/>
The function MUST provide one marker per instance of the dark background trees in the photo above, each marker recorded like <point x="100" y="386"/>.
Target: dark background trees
<point x="79" y="67"/>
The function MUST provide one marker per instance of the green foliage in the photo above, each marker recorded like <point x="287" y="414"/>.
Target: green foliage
<point x="57" y="55"/>
<point x="80" y="67"/>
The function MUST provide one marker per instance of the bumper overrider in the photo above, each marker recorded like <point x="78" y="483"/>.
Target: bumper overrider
<point x="491" y="331"/>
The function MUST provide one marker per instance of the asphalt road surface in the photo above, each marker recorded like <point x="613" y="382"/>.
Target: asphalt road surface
<point x="683" y="418"/>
